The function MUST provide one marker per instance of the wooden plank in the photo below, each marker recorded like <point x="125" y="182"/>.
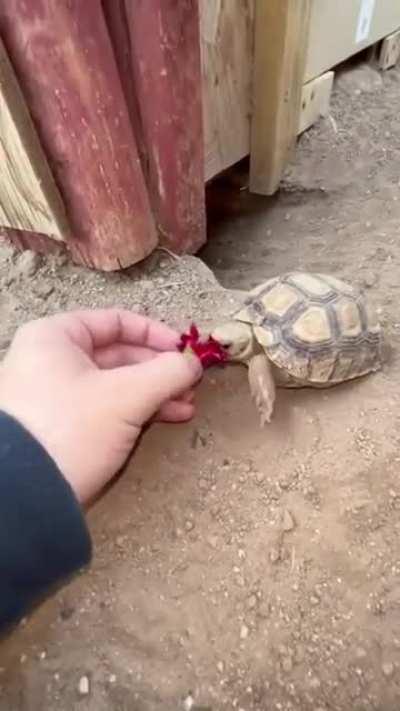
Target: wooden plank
<point x="227" y="45"/>
<point x="29" y="198"/>
<point x="343" y="28"/>
<point x="390" y="51"/>
<point x="165" y="58"/>
<point x="281" y="31"/>
<point x="115" y="13"/>
<point x="64" y="59"/>
<point x="315" y="100"/>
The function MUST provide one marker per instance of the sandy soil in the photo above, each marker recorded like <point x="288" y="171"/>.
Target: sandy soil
<point x="239" y="568"/>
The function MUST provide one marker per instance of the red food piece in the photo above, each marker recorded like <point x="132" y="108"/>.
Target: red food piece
<point x="209" y="351"/>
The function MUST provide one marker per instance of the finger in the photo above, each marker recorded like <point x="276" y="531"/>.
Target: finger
<point x="141" y="390"/>
<point x="120" y="354"/>
<point x="100" y="328"/>
<point x="175" y="411"/>
<point x="108" y="326"/>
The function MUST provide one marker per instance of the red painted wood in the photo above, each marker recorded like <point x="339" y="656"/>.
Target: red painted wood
<point x="117" y="23"/>
<point x="165" y="59"/>
<point x="37" y="242"/>
<point x="64" y="59"/>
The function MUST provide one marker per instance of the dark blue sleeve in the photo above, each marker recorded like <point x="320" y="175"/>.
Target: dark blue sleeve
<point x="43" y="534"/>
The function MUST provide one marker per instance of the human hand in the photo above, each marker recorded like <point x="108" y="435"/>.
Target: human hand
<point x="85" y="383"/>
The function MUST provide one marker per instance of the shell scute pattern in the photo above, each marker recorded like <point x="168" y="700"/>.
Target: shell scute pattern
<point x="316" y="328"/>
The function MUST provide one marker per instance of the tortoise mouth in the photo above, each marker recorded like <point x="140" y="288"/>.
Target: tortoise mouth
<point x="225" y="344"/>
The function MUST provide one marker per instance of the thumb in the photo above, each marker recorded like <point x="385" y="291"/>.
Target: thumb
<point x="143" y="388"/>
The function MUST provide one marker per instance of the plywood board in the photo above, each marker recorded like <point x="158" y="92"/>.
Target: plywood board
<point x="227" y="58"/>
<point x="343" y="28"/>
<point x="29" y="199"/>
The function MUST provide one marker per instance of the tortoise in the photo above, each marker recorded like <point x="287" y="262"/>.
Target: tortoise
<point x="302" y="330"/>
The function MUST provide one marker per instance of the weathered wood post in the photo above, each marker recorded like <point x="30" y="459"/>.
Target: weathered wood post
<point x="66" y="66"/>
<point x="164" y="91"/>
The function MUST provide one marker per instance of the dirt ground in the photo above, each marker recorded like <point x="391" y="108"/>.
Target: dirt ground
<point x="239" y="568"/>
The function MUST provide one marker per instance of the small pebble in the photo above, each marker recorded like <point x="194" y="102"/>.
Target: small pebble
<point x="264" y="610"/>
<point x="23" y="658"/>
<point x="112" y="678"/>
<point x="220" y="667"/>
<point x="274" y="555"/>
<point x="387" y="669"/>
<point x="244" y="632"/>
<point x="189" y="525"/>
<point x="212" y="541"/>
<point x="188" y="703"/>
<point x="43" y="289"/>
<point x="84" y="686"/>
<point x="284" y="483"/>
<point x="287" y="664"/>
<point x="369" y="279"/>
<point x="27" y="264"/>
<point x="260" y="477"/>
<point x="360" y="653"/>
<point x="252" y="602"/>
<point x="66" y="612"/>
<point x="314" y="600"/>
<point x="288" y="523"/>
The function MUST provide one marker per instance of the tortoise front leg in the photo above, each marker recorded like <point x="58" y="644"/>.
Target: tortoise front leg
<point x="262" y="386"/>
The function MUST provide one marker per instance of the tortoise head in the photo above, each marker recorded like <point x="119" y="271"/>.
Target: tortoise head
<point x="237" y="339"/>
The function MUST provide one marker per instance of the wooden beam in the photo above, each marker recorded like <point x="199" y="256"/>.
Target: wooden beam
<point x="29" y="198"/>
<point x="315" y="100"/>
<point x="64" y="59"/>
<point x="390" y="51"/>
<point x="281" y="35"/>
<point x="165" y="59"/>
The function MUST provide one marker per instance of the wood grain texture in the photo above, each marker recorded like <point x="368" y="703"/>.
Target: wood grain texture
<point x="165" y="60"/>
<point x="281" y="34"/>
<point x="227" y="42"/>
<point x="333" y="31"/>
<point x="29" y="199"/>
<point x="389" y="53"/>
<point x="315" y="100"/>
<point x="115" y="12"/>
<point x="64" y="60"/>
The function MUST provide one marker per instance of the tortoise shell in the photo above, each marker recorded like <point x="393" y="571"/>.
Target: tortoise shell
<point x="315" y="328"/>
